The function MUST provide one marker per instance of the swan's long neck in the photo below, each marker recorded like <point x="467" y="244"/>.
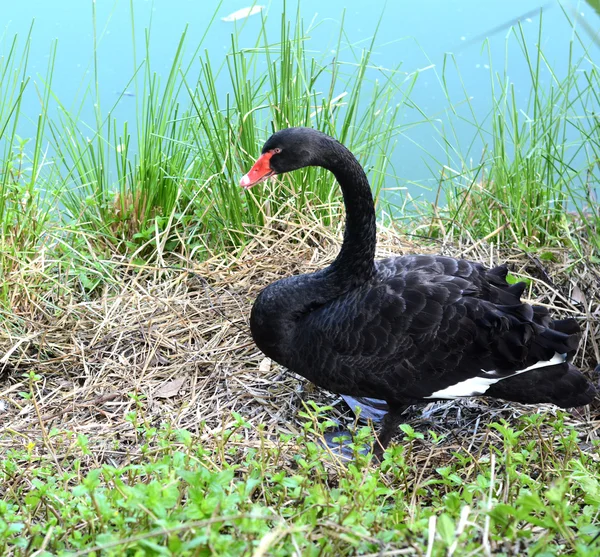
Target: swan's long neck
<point x="286" y="302"/>
<point x="354" y="264"/>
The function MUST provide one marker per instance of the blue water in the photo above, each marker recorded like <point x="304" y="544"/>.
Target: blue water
<point x="415" y="34"/>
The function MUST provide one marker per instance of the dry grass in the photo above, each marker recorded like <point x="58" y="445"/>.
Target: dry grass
<point x="175" y="346"/>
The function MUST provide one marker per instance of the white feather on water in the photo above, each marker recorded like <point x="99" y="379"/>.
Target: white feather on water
<point x="243" y="13"/>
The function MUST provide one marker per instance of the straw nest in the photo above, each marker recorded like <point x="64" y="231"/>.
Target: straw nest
<point x="175" y="346"/>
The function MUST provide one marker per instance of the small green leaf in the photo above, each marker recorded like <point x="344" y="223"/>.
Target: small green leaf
<point x="446" y="529"/>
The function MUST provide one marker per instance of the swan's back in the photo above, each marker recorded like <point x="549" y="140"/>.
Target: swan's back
<point x="433" y="327"/>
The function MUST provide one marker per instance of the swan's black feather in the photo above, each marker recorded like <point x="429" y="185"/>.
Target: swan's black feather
<point x="422" y="324"/>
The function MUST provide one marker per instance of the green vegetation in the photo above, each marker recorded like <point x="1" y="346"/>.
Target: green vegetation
<point x="171" y="183"/>
<point x="25" y="200"/>
<point x="534" y="183"/>
<point x="528" y="486"/>
<point x="178" y="188"/>
<point x="94" y="224"/>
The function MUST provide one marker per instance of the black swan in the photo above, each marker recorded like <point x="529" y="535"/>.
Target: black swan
<point x="405" y="329"/>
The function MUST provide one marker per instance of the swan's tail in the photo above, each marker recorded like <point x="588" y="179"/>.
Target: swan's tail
<point x="558" y="382"/>
<point x="560" y="336"/>
<point x="561" y="384"/>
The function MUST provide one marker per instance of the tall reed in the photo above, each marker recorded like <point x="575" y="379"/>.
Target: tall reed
<point x="197" y="133"/>
<point x="26" y="205"/>
<point x="539" y="162"/>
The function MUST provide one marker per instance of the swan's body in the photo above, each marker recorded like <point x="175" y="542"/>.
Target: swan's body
<point x="405" y="329"/>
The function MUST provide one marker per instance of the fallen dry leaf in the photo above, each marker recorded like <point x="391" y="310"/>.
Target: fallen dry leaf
<point x="265" y="365"/>
<point x="170" y="388"/>
<point x="577" y="295"/>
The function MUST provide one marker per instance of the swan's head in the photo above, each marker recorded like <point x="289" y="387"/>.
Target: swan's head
<point x="286" y="150"/>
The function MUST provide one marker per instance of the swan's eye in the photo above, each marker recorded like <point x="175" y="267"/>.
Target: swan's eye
<point x="276" y="150"/>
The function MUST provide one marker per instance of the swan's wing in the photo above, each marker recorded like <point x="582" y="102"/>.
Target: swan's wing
<point x="429" y="327"/>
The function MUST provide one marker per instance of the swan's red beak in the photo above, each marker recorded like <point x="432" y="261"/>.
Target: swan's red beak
<point x="259" y="172"/>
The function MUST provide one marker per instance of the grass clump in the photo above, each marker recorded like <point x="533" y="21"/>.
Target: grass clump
<point x="174" y="185"/>
<point x="28" y="177"/>
<point x="534" y="182"/>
